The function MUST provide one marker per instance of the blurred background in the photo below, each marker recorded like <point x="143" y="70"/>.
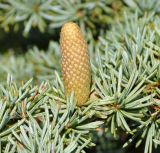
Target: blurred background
<point x="29" y="41"/>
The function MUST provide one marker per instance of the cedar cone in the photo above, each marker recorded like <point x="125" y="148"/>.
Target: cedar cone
<point x="75" y="63"/>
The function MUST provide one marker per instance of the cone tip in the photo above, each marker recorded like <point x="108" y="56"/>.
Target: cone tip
<point x="70" y="27"/>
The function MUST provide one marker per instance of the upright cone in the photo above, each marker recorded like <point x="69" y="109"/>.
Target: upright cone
<point x="75" y="63"/>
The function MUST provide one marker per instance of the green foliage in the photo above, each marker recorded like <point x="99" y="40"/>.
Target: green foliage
<point x="127" y="77"/>
<point x="37" y="117"/>
<point x="144" y="5"/>
<point x="52" y="14"/>
<point x="35" y="64"/>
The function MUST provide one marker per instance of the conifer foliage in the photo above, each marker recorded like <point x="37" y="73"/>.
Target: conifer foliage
<point x="123" y="106"/>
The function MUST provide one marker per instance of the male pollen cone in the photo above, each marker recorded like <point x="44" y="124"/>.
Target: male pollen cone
<point x="75" y="63"/>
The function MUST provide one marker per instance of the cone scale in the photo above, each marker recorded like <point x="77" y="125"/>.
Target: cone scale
<point x="75" y="63"/>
